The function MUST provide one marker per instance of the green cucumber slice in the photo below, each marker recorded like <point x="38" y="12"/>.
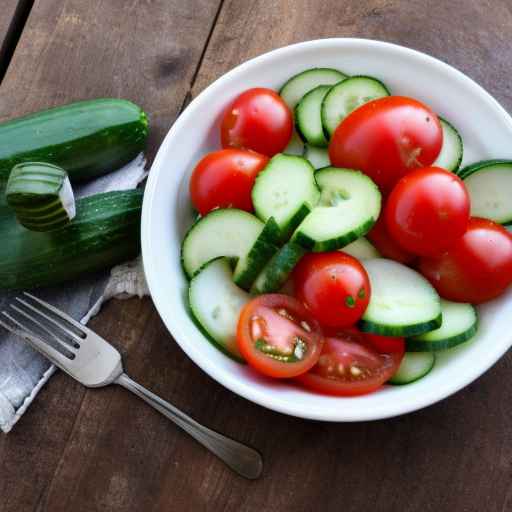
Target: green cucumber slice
<point x="301" y="83"/>
<point x="361" y="249"/>
<point x="308" y="119"/>
<point x="224" y="232"/>
<point x="349" y="206"/>
<point x="278" y="269"/>
<point x="346" y="96"/>
<point x="41" y="196"/>
<point x="295" y="146"/>
<point x="264" y="247"/>
<point x="489" y="184"/>
<point x="318" y="157"/>
<point x="286" y="190"/>
<point x="402" y="303"/>
<point x="452" y="150"/>
<point x="215" y="302"/>
<point x="413" y="367"/>
<point x="460" y="323"/>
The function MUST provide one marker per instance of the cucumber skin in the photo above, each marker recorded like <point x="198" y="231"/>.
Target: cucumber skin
<point x="105" y="232"/>
<point x="404" y="383"/>
<point x="87" y="138"/>
<point x="332" y="244"/>
<point x="409" y="330"/>
<point x="278" y="269"/>
<point x="414" y="345"/>
<point x="472" y="168"/>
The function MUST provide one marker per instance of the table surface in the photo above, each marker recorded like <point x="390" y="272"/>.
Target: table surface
<point x="103" y="450"/>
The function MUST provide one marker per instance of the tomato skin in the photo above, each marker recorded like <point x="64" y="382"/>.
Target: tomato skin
<point x="386" y="245"/>
<point x="427" y="211"/>
<point x="332" y="375"/>
<point x="278" y="320"/>
<point x="386" y="344"/>
<point x="258" y="119"/>
<point x="224" y="179"/>
<point x="386" y="138"/>
<point x="477" y="268"/>
<point x="334" y="286"/>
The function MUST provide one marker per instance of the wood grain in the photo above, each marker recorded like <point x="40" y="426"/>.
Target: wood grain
<point x="103" y="450"/>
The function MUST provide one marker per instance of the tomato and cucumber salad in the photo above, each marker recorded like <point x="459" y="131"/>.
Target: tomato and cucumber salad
<point x="351" y="266"/>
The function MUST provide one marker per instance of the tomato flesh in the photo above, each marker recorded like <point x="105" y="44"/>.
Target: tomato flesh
<point x="278" y="337"/>
<point x="386" y="138"/>
<point x="427" y="211"/>
<point x="350" y="366"/>
<point x="258" y="119"/>
<point x="334" y="286"/>
<point x="224" y="179"/>
<point x="477" y="268"/>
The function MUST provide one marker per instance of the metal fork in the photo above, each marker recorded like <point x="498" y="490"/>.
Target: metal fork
<point x="91" y="360"/>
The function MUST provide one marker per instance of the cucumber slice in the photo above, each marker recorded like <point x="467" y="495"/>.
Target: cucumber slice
<point x="361" y="249"/>
<point x="286" y="190"/>
<point x="346" y="96"/>
<point x="460" y="323"/>
<point x="215" y="302"/>
<point x="225" y="232"/>
<point x="278" y="269"/>
<point x="295" y="146"/>
<point x="318" y="157"/>
<point x="402" y="302"/>
<point x="349" y="206"/>
<point x="298" y="85"/>
<point x="489" y="184"/>
<point x="308" y="119"/>
<point x="452" y="150"/>
<point x="41" y="196"/>
<point x="265" y="246"/>
<point x="413" y="367"/>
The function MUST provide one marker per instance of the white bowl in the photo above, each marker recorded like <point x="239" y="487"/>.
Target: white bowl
<point x="487" y="132"/>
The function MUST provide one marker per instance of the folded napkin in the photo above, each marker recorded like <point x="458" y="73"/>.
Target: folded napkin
<point x="23" y="372"/>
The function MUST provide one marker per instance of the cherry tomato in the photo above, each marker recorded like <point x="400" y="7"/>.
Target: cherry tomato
<point x="278" y="337"/>
<point x="224" y="179"/>
<point x="381" y="239"/>
<point x="427" y="211"/>
<point x="477" y="268"/>
<point x="386" y="138"/>
<point x="350" y="366"/>
<point x="334" y="286"/>
<point x="386" y="344"/>
<point x="258" y="119"/>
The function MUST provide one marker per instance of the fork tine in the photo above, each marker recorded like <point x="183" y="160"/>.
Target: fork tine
<point x="60" y="342"/>
<point x="35" y="342"/>
<point x="71" y="334"/>
<point x="80" y="327"/>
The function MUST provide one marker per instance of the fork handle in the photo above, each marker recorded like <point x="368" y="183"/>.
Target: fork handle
<point x="242" y="459"/>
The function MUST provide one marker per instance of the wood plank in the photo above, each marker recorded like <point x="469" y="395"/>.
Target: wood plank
<point x="103" y="450"/>
<point x="147" y="52"/>
<point x="6" y="22"/>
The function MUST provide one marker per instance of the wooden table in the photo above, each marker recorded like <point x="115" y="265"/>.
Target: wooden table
<point x="79" y="450"/>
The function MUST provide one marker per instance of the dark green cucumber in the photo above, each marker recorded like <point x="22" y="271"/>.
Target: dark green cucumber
<point x="41" y="196"/>
<point x="105" y="231"/>
<point x="87" y="138"/>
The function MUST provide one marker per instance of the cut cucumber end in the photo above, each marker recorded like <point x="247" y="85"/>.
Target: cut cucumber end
<point x="317" y="157"/>
<point x="452" y="150"/>
<point x="414" y="366"/>
<point x="308" y="118"/>
<point x="361" y="249"/>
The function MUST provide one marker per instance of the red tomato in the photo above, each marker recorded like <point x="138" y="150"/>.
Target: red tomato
<point x="334" y="286"/>
<point x="258" y="119"/>
<point x="386" y="344"/>
<point x="477" y="268"/>
<point x="386" y="138"/>
<point x="224" y="179"/>
<point x="278" y="337"/>
<point x="381" y="239"/>
<point x="427" y="211"/>
<point x="350" y="366"/>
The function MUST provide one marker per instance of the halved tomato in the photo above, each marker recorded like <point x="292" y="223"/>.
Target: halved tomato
<point x="278" y="337"/>
<point x="350" y="366"/>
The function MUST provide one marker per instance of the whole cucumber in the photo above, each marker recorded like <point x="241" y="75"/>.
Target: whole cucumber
<point x="86" y="138"/>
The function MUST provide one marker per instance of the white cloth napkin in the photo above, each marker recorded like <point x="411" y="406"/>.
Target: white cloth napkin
<point x="23" y="372"/>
